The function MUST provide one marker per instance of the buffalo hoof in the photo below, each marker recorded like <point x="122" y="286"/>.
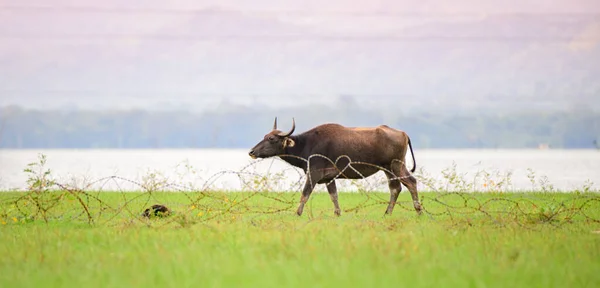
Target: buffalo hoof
<point x="418" y="208"/>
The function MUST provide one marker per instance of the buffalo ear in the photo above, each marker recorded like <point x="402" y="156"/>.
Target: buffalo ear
<point x="288" y="143"/>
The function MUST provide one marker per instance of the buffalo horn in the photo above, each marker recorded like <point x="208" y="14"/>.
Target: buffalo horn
<point x="291" y="131"/>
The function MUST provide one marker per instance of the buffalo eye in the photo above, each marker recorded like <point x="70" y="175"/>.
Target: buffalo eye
<point x="271" y="138"/>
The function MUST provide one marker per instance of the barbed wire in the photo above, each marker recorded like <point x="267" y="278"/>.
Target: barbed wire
<point x="262" y="196"/>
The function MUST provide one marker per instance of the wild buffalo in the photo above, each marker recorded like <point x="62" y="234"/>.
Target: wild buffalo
<point x="332" y="151"/>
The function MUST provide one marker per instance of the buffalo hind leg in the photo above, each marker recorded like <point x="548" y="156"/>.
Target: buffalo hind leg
<point x="411" y="183"/>
<point x="332" y="189"/>
<point x="395" y="189"/>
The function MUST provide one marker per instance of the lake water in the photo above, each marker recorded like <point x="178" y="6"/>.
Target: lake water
<point x="233" y="169"/>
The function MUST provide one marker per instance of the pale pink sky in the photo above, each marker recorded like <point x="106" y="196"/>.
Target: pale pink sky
<point x="329" y="15"/>
<point x="434" y="6"/>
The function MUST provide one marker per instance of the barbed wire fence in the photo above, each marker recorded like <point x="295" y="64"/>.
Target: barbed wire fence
<point x="454" y="201"/>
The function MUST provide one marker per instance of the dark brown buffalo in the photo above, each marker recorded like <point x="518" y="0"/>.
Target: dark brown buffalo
<point x="325" y="152"/>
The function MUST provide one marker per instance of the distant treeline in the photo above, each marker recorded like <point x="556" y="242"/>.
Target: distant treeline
<point x="242" y="127"/>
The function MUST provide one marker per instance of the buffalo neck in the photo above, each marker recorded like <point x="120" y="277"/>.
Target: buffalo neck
<point x="296" y="151"/>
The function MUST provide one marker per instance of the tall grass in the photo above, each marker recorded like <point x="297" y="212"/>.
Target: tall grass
<point x="255" y="250"/>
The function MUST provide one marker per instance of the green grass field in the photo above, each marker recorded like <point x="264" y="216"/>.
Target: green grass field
<point x="256" y="240"/>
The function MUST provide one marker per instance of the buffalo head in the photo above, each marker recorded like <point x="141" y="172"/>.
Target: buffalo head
<point x="274" y="143"/>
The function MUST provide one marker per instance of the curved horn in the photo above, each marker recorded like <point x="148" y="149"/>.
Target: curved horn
<point x="275" y="124"/>
<point x="291" y="131"/>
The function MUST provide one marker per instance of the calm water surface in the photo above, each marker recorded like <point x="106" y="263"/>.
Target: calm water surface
<point x="230" y="168"/>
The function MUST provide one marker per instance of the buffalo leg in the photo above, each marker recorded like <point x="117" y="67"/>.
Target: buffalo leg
<point x="332" y="189"/>
<point x="395" y="189"/>
<point x="308" y="188"/>
<point x="411" y="183"/>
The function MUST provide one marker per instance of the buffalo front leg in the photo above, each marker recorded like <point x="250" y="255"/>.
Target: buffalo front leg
<point x="308" y="188"/>
<point x="332" y="189"/>
<point x="411" y="183"/>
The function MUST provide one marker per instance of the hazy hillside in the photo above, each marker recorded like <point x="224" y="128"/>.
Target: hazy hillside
<point x="194" y="60"/>
<point x="241" y="127"/>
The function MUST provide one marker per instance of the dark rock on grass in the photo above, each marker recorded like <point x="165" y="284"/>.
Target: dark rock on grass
<point x="156" y="211"/>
